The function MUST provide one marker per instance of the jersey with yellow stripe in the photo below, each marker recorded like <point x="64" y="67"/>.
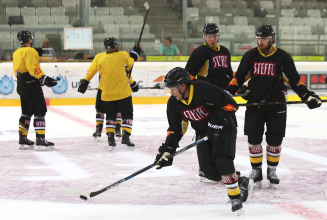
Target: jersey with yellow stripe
<point x="205" y="102"/>
<point x="267" y="73"/>
<point x="112" y="66"/>
<point x="26" y="60"/>
<point x="213" y="64"/>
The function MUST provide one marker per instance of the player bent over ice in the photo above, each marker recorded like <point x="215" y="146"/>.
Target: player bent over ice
<point x="115" y="88"/>
<point x="30" y="78"/>
<point x="268" y="68"/>
<point x="210" y="111"/>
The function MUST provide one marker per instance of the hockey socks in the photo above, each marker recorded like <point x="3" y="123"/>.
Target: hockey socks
<point x="24" y="124"/>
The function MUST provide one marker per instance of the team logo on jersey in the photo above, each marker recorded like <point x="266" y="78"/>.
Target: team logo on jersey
<point x="220" y="61"/>
<point x="264" y="69"/>
<point x="229" y="108"/>
<point x="196" y="114"/>
<point x="233" y="82"/>
<point x="169" y="133"/>
<point x="37" y="71"/>
<point x="300" y="83"/>
<point x="61" y="86"/>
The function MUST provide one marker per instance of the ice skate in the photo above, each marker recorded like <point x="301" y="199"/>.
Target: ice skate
<point x="272" y="177"/>
<point x="255" y="177"/>
<point x="111" y="140"/>
<point x="97" y="133"/>
<point x="24" y="143"/>
<point x="126" y="141"/>
<point x="43" y="145"/>
<point x="245" y="188"/>
<point x="118" y="130"/>
<point x="237" y="206"/>
<point x="203" y="179"/>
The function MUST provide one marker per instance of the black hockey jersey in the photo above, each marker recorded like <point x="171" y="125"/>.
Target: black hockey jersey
<point x="213" y="64"/>
<point x="267" y="75"/>
<point x="205" y="101"/>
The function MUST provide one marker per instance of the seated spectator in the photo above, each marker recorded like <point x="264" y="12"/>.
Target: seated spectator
<point x="169" y="49"/>
<point x="48" y="50"/>
<point x="3" y="55"/>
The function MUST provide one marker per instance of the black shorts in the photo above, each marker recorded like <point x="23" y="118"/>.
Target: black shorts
<point x="32" y="99"/>
<point x="206" y="151"/>
<point x="99" y="102"/>
<point x="274" y="116"/>
<point x="124" y="106"/>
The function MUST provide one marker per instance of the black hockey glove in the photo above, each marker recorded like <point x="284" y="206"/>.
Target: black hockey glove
<point x="311" y="99"/>
<point x="215" y="130"/>
<point x="162" y="159"/>
<point x="134" y="87"/>
<point x="83" y="86"/>
<point x="135" y="52"/>
<point x="48" y="81"/>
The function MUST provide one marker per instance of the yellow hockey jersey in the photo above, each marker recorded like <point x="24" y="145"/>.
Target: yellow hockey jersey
<point x="111" y="66"/>
<point x="26" y="59"/>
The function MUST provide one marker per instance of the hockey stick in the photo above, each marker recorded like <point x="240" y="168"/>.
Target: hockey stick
<point x="275" y="103"/>
<point x="86" y="195"/>
<point x="147" y="7"/>
<point x="155" y="87"/>
<point x="92" y="89"/>
<point x="58" y="74"/>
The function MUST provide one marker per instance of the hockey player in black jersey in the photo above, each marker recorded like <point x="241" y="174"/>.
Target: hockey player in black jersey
<point x="211" y="61"/>
<point x="30" y="78"/>
<point x="267" y="68"/>
<point x="209" y="110"/>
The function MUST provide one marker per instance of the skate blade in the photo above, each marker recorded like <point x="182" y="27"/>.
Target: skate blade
<point x="250" y="188"/>
<point x="239" y="212"/>
<point x="29" y="147"/>
<point x="44" y="148"/>
<point x="272" y="185"/>
<point x="257" y="184"/>
<point x="205" y="180"/>
<point x="125" y="147"/>
<point x="97" y="139"/>
<point x="112" y="148"/>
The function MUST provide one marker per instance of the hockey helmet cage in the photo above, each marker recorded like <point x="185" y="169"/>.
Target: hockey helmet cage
<point x="23" y="36"/>
<point x="266" y="31"/>
<point x="210" y="28"/>
<point x="176" y="77"/>
<point x="110" y="43"/>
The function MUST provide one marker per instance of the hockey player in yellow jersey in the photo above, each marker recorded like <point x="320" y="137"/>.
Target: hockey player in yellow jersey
<point x="115" y="88"/>
<point x="30" y="78"/>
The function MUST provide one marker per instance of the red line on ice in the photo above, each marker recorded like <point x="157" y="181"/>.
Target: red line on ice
<point x="72" y="117"/>
<point x="303" y="211"/>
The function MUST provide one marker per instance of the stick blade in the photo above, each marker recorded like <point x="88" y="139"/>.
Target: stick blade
<point x="146" y="5"/>
<point x="80" y="193"/>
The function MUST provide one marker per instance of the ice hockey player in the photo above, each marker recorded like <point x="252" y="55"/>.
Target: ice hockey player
<point x="211" y="61"/>
<point x="268" y="68"/>
<point x="30" y="78"/>
<point x="115" y="88"/>
<point x="209" y="110"/>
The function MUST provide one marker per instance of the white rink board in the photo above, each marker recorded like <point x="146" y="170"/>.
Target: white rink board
<point x="147" y="74"/>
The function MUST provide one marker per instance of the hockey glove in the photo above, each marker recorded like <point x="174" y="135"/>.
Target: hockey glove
<point x="311" y="99"/>
<point x="215" y="130"/>
<point x="135" y="52"/>
<point x="244" y="90"/>
<point x="83" y="86"/>
<point x="134" y="87"/>
<point x="48" y="81"/>
<point x="162" y="160"/>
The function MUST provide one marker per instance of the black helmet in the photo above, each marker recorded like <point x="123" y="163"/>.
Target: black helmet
<point x="23" y="36"/>
<point x="210" y="28"/>
<point x="110" y="43"/>
<point x="266" y="31"/>
<point x="177" y="77"/>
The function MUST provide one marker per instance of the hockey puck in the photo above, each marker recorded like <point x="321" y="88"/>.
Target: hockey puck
<point x="83" y="198"/>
